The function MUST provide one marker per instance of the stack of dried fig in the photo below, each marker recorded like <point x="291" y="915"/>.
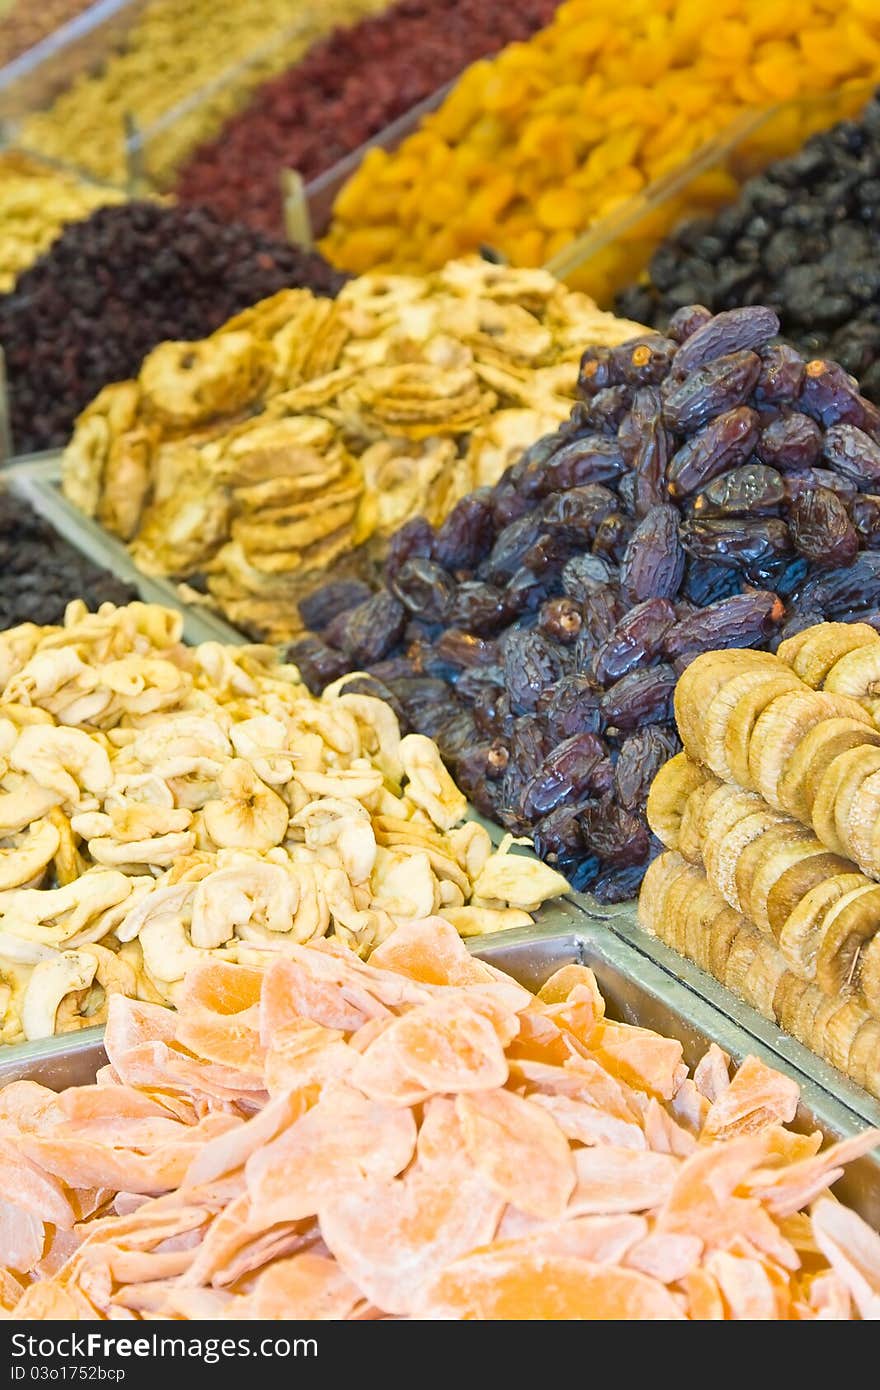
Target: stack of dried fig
<point x="771" y="817"/>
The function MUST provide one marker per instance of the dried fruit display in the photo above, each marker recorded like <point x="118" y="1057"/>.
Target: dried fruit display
<point x="36" y="202"/>
<point x="769" y="814"/>
<point x="800" y="237"/>
<point x="162" y="806"/>
<point x="706" y="492"/>
<point x="347" y="88"/>
<point x="22" y="24"/>
<point x="41" y="573"/>
<point x="254" y="460"/>
<point x="183" y="69"/>
<point x="114" y="285"/>
<point x="420" y="1137"/>
<point x="536" y="145"/>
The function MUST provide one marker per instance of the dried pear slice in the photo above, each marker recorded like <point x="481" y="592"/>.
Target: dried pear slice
<point x="690" y="835"/>
<point x="841" y="1031"/>
<point x="798" y="880"/>
<point x="864" y="1047"/>
<point x="820" y="647"/>
<point x="659" y="877"/>
<point x="780" y="728"/>
<point x="814" y="753"/>
<point x="702" y="908"/>
<point x="801" y="934"/>
<point x="802" y="845"/>
<point x="808" y="1006"/>
<point x="774" y="839"/>
<point x="741" y="698"/>
<point x="766" y="970"/>
<point x="701" y="681"/>
<point x="852" y="920"/>
<point x="723" y="855"/>
<point x="857" y="674"/>
<point x="669" y="794"/>
<point x="868" y="975"/>
<point x="859" y="823"/>
<point x="790" y="989"/>
<point x="722" y="933"/>
<point x="839" y="783"/>
<point x="818" y="1040"/>
<point x="742" y="956"/>
<point x="678" y="897"/>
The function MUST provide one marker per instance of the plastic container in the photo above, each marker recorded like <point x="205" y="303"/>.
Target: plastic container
<point x="616" y="250"/>
<point x="35" y="77"/>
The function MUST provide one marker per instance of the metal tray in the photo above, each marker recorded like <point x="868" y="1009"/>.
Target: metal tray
<point x="636" y="990"/>
<point x="37" y="481"/>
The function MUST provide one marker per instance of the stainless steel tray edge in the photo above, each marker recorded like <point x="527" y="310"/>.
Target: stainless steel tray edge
<point x="38" y="483"/>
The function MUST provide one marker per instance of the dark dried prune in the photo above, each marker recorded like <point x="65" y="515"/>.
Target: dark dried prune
<point x="791" y="441"/>
<point x="414" y="539"/>
<point x="615" y="834"/>
<point x="601" y="611"/>
<point x="507" y="505"/>
<point x="653" y="564"/>
<point x="618" y="885"/>
<point x="573" y="708"/>
<point x="752" y="488"/>
<point x="720" y="386"/>
<point x="743" y="620"/>
<point x="723" y="444"/>
<point x="596" y="372"/>
<point x="427" y="590"/>
<point x="511" y="546"/>
<point x="728" y="332"/>
<point x="852" y="453"/>
<point x="635" y="641"/>
<point x="558" y="835"/>
<point x="643" y="361"/>
<point x="864" y="513"/>
<point x="583" y="574"/>
<point x="642" y="754"/>
<point x="705" y="582"/>
<point x="322" y="605"/>
<point x="463" y="649"/>
<point x="835" y="592"/>
<point x="613" y="536"/>
<point x="368" y="632"/>
<point x="577" y="514"/>
<point x="478" y="608"/>
<point x="531" y="663"/>
<point x="466" y="534"/>
<point x="831" y="395"/>
<point x="747" y="545"/>
<point x="564" y="775"/>
<point x="609" y="407"/>
<point x="821" y="529"/>
<point x="687" y="320"/>
<point x="796" y="484"/>
<point x="560" y="618"/>
<point x="781" y="376"/>
<point x="642" y="697"/>
<point x="318" y="664"/>
<point x="591" y="459"/>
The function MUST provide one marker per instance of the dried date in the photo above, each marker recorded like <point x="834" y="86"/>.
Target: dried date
<point x="723" y="444"/>
<point x="653" y="564"/>
<point x="721" y="385"/>
<point x="821" y="529"/>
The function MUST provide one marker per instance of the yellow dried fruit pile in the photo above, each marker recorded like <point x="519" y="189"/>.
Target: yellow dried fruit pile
<point x="535" y="146"/>
<point x="36" y="201"/>
<point x="171" y="53"/>
<point x="771" y="817"/>
<point x="304" y="427"/>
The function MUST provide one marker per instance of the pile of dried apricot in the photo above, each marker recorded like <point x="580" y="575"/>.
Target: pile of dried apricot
<point x="533" y="147"/>
<point x="418" y="1137"/>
